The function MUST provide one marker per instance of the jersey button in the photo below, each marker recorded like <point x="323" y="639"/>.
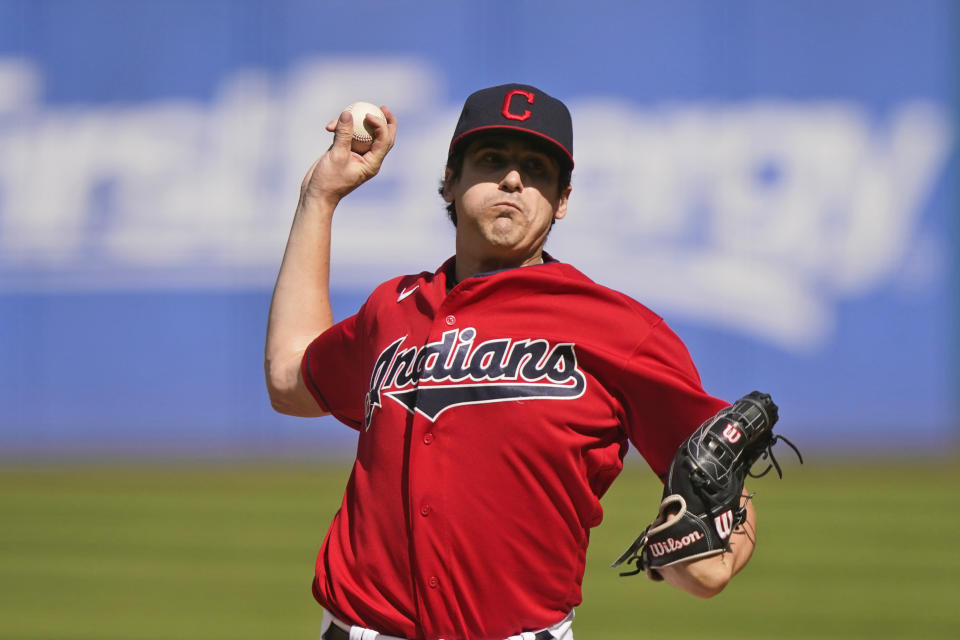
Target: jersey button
<point x="451" y="319"/>
<point x="425" y="510"/>
<point x="428" y="438"/>
<point x="433" y="582"/>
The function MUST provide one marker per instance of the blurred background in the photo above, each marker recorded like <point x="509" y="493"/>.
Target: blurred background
<point x="776" y="179"/>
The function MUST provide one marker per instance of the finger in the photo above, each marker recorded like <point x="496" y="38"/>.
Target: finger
<point x="391" y="121"/>
<point x="384" y="131"/>
<point x="343" y="132"/>
<point x="331" y="126"/>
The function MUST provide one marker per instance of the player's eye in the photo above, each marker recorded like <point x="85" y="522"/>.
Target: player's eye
<point x="490" y="158"/>
<point x="535" y="165"/>
<point x="540" y="166"/>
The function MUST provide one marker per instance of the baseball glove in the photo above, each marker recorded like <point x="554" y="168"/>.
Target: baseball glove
<point x="704" y="487"/>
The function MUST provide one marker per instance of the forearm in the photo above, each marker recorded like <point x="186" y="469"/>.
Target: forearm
<point x="300" y="308"/>
<point x="707" y="577"/>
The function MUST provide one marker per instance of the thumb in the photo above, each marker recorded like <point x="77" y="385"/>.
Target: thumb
<point x="343" y="134"/>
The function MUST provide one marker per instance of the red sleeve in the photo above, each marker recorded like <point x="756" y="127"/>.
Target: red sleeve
<point x="332" y="371"/>
<point x="665" y="401"/>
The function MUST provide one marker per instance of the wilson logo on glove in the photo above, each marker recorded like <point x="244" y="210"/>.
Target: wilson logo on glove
<point x="724" y="524"/>
<point x="731" y="433"/>
<point x="669" y="545"/>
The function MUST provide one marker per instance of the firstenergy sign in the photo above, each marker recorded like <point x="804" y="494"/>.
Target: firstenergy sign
<point x="760" y="216"/>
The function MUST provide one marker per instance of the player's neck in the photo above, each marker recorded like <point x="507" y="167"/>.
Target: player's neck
<point x="466" y="266"/>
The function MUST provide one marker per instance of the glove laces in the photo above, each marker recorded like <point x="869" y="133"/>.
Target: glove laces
<point x="768" y="455"/>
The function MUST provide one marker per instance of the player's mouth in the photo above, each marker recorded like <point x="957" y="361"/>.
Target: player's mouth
<point x="508" y="205"/>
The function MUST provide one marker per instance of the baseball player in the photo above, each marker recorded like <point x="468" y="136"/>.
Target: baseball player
<point x="494" y="397"/>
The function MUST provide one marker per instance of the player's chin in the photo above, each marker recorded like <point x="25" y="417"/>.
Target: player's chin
<point x="505" y="231"/>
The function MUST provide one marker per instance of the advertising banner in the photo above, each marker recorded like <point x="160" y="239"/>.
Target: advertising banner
<point x="776" y="179"/>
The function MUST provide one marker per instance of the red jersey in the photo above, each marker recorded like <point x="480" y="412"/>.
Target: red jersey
<point x="492" y="419"/>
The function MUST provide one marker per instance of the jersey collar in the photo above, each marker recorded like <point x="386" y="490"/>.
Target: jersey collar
<point x="449" y="270"/>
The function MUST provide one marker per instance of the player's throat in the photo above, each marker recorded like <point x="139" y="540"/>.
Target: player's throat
<point x="452" y="272"/>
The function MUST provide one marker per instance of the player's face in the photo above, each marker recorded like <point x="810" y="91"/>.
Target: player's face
<point x="507" y="196"/>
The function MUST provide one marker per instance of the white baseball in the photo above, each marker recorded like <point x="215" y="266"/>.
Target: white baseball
<point x="362" y="134"/>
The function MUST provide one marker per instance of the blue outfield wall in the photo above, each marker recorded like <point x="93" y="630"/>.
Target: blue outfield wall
<point x="778" y="180"/>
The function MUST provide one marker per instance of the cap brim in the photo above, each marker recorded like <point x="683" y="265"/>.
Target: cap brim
<point x="499" y="127"/>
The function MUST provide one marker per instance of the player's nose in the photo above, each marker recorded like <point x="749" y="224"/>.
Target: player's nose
<point x="512" y="181"/>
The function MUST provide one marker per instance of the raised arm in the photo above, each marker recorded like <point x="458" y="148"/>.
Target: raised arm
<point x="300" y="308"/>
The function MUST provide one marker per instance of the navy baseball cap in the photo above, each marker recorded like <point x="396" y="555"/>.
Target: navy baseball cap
<point x="519" y="108"/>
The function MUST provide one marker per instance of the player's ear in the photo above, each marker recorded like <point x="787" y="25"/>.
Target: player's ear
<point x="561" y="211"/>
<point x="448" y="180"/>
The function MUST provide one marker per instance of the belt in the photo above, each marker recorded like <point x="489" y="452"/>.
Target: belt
<point x="336" y="633"/>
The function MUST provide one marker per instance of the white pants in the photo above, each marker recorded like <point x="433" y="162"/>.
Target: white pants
<point x="563" y="630"/>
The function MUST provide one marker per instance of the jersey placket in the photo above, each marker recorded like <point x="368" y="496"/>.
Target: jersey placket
<point x="428" y="477"/>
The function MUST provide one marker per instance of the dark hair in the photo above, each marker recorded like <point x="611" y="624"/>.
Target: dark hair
<point x="455" y="164"/>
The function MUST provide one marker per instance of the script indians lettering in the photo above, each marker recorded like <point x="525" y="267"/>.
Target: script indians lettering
<point x="456" y="371"/>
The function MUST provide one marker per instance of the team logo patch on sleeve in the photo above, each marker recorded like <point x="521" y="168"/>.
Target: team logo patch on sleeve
<point x="455" y="371"/>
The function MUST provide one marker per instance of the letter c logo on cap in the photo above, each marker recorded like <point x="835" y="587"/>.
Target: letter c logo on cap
<point x="506" y="105"/>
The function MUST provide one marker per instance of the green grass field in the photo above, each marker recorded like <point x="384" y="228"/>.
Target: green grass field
<point x="854" y="550"/>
